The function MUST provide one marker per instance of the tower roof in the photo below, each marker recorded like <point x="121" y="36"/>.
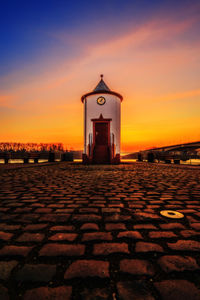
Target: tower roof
<point x="101" y="88"/>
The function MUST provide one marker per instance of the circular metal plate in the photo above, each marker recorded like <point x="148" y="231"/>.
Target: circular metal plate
<point x="172" y="214"/>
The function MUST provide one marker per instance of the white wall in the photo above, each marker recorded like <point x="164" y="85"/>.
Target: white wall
<point x="110" y="110"/>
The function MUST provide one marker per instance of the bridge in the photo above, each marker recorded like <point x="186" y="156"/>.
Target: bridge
<point x="170" y="153"/>
<point x="178" y="147"/>
<point x="174" y="153"/>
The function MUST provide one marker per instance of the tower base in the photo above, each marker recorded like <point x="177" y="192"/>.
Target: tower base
<point x="89" y="160"/>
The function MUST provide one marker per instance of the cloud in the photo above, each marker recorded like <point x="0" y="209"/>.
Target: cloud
<point x="151" y="32"/>
<point x="180" y="95"/>
<point x="151" y="55"/>
<point x="7" y="101"/>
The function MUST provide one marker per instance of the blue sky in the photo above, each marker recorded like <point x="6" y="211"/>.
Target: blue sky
<point x="28" y="29"/>
<point x="52" y="52"/>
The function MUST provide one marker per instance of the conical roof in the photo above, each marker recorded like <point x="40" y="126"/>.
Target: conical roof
<point x="101" y="86"/>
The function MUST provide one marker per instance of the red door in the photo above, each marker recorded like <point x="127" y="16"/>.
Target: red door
<point x="101" y="134"/>
<point x="101" y="139"/>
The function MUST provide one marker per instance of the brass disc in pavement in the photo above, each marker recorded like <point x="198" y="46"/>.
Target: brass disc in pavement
<point x="171" y="214"/>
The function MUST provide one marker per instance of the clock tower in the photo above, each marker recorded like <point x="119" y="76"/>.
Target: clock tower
<point x="102" y="125"/>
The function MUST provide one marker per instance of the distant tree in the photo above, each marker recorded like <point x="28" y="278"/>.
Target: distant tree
<point x="30" y="147"/>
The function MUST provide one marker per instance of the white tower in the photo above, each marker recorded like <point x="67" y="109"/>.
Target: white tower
<point x="102" y="125"/>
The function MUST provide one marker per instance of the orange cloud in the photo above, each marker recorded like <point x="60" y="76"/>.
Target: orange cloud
<point x="7" y="101"/>
<point x="180" y="95"/>
<point x="150" y="65"/>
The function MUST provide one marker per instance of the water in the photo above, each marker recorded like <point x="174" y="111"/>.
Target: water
<point x="191" y="162"/>
<point x="194" y="162"/>
<point x="19" y="161"/>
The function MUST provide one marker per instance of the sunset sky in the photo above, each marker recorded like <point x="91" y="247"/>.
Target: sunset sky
<point x="53" y="51"/>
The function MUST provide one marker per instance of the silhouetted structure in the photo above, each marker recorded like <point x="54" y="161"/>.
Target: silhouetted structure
<point x="35" y="152"/>
<point x="168" y="154"/>
<point x="140" y="158"/>
<point x="150" y="157"/>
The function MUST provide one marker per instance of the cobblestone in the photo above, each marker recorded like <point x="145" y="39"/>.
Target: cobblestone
<point x="87" y="268"/>
<point x="136" y="267"/>
<point x="6" y="268"/>
<point x="62" y="249"/>
<point x="172" y="226"/>
<point x="115" y="226"/>
<point x="196" y="226"/>
<point x="170" y="263"/>
<point x="30" y="237"/>
<point x="62" y="228"/>
<point x="96" y="293"/>
<point x="144" y="226"/>
<point x="183" y="245"/>
<point x="3" y="293"/>
<point x="86" y="218"/>
<point x="148" y="247"/>
<point x="134" y="290"/>
<point x="177" y="289"/>
<point x="161" y="234"/>
<point x="47" y="293"/>
<point x="6" y="227"/>
<point x="35" y="273"/>
<point x="130" y="234"/>
<point x="89" y="226"/>
<point x="5" y="236"/>
<point x="15" y="251"/>
<point x="69" y="231"/>
<point x="109" y="248"/>
<point x="189" y="233"/>
<point x="35" y="227"/>
<point x="63" y="237"/>
<point x="105" y="236"/>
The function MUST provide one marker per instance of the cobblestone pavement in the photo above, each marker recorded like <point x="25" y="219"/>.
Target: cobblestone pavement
<point x="69" y="231"/>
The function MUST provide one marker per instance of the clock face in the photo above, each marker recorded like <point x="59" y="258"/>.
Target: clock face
<point x="101" y="100"/>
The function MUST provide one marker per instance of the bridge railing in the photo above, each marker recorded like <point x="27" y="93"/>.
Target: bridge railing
<point x="51" y="156"/>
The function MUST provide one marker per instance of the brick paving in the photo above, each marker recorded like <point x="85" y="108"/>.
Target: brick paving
<point x="69" y="231"/>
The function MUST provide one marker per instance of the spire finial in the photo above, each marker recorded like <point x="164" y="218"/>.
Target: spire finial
<point x="101" y="76"/>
